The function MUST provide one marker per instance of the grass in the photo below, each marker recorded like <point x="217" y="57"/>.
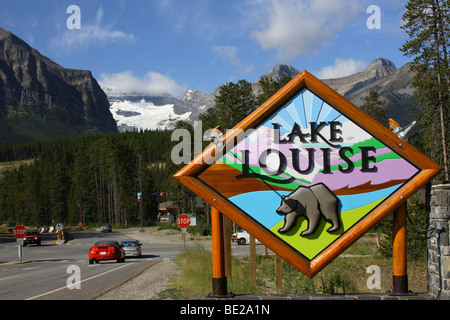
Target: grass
<point x="346" y="274"/>
<point x="196" y="275"/>
<point x="9" y="166"/>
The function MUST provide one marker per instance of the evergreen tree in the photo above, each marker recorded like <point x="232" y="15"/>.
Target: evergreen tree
<point x="373" y="107"/>
<point x="427" y="24"/>
<point x="269" y="87"/>
<point x="234" y="102"/>
<point x="100" y="170"/>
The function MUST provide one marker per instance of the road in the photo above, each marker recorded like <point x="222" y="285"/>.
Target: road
<point x="49" y="271"/>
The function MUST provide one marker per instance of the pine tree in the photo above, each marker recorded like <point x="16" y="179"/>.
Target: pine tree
<point x="373" y="107"/>
<point x="427" y="24"/>
<point x="269" y="87"/>
<point x="234" y="102"/>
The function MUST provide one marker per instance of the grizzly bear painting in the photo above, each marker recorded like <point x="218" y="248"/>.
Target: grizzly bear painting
<point x="312" y="203"/>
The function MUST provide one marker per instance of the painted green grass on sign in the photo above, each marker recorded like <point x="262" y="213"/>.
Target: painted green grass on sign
<point x="310" y="246"/>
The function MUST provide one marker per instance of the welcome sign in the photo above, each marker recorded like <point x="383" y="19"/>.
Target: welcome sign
<point x="308" y="173"/>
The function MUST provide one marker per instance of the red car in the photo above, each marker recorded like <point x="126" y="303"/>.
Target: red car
<point x="32" y="237"/>
<point x="106" y="250"/>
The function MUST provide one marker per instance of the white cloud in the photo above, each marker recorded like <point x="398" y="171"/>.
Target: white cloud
<point x="341" y="68"/>
<point x="152" y="83"/>
<point x="191" y="16"/>
<point x="90" y="34"/>
<point x="299" y="27"/>
<point x="230" y="55"/>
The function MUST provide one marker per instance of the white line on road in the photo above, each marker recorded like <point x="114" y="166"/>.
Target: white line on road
<point x="65" y="287"/>
<point x="8" y="278"/>
<point x="31" y="268"/>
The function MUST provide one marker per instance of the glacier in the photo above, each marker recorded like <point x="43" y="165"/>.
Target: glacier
<point x="143" y="115"/>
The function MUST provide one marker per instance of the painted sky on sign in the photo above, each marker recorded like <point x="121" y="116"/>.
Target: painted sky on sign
<point x="261" y="205"/>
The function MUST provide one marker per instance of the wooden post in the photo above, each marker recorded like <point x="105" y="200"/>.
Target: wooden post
<point x="252" y="260"/>
<point x="227" y="239"/>
<point x="219" y="280"/>
<point x="400" y="274"/>
<point x="278" y="273"/>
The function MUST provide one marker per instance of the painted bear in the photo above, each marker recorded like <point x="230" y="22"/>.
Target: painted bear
<point x="313" y="203"/>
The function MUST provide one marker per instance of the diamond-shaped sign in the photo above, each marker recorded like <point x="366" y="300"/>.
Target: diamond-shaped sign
<point x="308" y="173"/>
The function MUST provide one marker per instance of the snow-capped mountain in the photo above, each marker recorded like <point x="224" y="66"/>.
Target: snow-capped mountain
<point x="134" y="111"/>
<point x="136" y="115"/>
<point x="137" y="111"/>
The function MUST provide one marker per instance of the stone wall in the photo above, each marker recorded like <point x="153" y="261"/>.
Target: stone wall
<point x="438" y="241"/>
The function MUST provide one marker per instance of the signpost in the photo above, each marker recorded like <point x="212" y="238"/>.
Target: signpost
<point x="183" y="221"/>
<point x="19" y="232"/>
<point x="308" y="173"/>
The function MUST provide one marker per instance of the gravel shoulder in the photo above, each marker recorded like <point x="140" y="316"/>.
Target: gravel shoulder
<point x="148" y="285"/>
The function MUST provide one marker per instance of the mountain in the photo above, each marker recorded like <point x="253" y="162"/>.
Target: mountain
<point x="377" y="69"/>
<point x="41" y="100"/>
<point x="393" y="86"/>
<point x="151" y="112"/>
<point x="279" y="72"/>
<point x="134" y="112"/>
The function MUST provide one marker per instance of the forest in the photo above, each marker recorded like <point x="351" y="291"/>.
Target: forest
<point x="89" y="179"/>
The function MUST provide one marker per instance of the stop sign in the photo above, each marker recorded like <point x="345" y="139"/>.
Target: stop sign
<point x="19" y="232"/>
<point x="183" y="221"/>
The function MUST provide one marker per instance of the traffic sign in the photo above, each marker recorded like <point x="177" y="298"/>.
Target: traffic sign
<point x="19" y="232"/>
<point x="183" y="221"/>
<point x="59" y="227"/>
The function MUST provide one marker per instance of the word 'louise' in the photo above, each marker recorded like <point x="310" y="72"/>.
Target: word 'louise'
<point x="367" y="159"/>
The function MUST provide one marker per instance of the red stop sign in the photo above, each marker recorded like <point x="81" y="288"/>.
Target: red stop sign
<point x="183" y="221"/>
<point x="19" y="232"/>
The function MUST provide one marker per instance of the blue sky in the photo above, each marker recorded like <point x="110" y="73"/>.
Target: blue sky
<point x="155" y="46"/>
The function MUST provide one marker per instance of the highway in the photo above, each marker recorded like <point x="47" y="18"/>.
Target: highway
<point x="62" y="272"/>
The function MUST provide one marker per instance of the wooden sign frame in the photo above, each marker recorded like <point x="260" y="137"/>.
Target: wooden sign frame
<point x="189" y="175"/>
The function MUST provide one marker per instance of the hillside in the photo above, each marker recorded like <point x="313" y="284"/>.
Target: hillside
<point x="392" y="84"/>
<point x="41" y="100"/>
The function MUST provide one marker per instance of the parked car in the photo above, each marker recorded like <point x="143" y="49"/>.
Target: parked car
<point x="106" y="228"/>
<point x="242" y="238"/>
<point x="132" y="248"/>
<point x="32" y="237"/>
<point x="106" y="250"/>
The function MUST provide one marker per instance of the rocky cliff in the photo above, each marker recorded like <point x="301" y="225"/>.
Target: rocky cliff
<point x="393" y="86"/>
<point x="39" y="99"/>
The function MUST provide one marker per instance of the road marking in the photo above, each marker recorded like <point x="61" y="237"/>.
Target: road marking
<point x="31" y="268"/>
<point x="8" y="278"/>
<point x="65" y="287"/>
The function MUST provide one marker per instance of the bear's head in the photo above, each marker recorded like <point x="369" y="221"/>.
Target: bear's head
<point x="287" y="205"/>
